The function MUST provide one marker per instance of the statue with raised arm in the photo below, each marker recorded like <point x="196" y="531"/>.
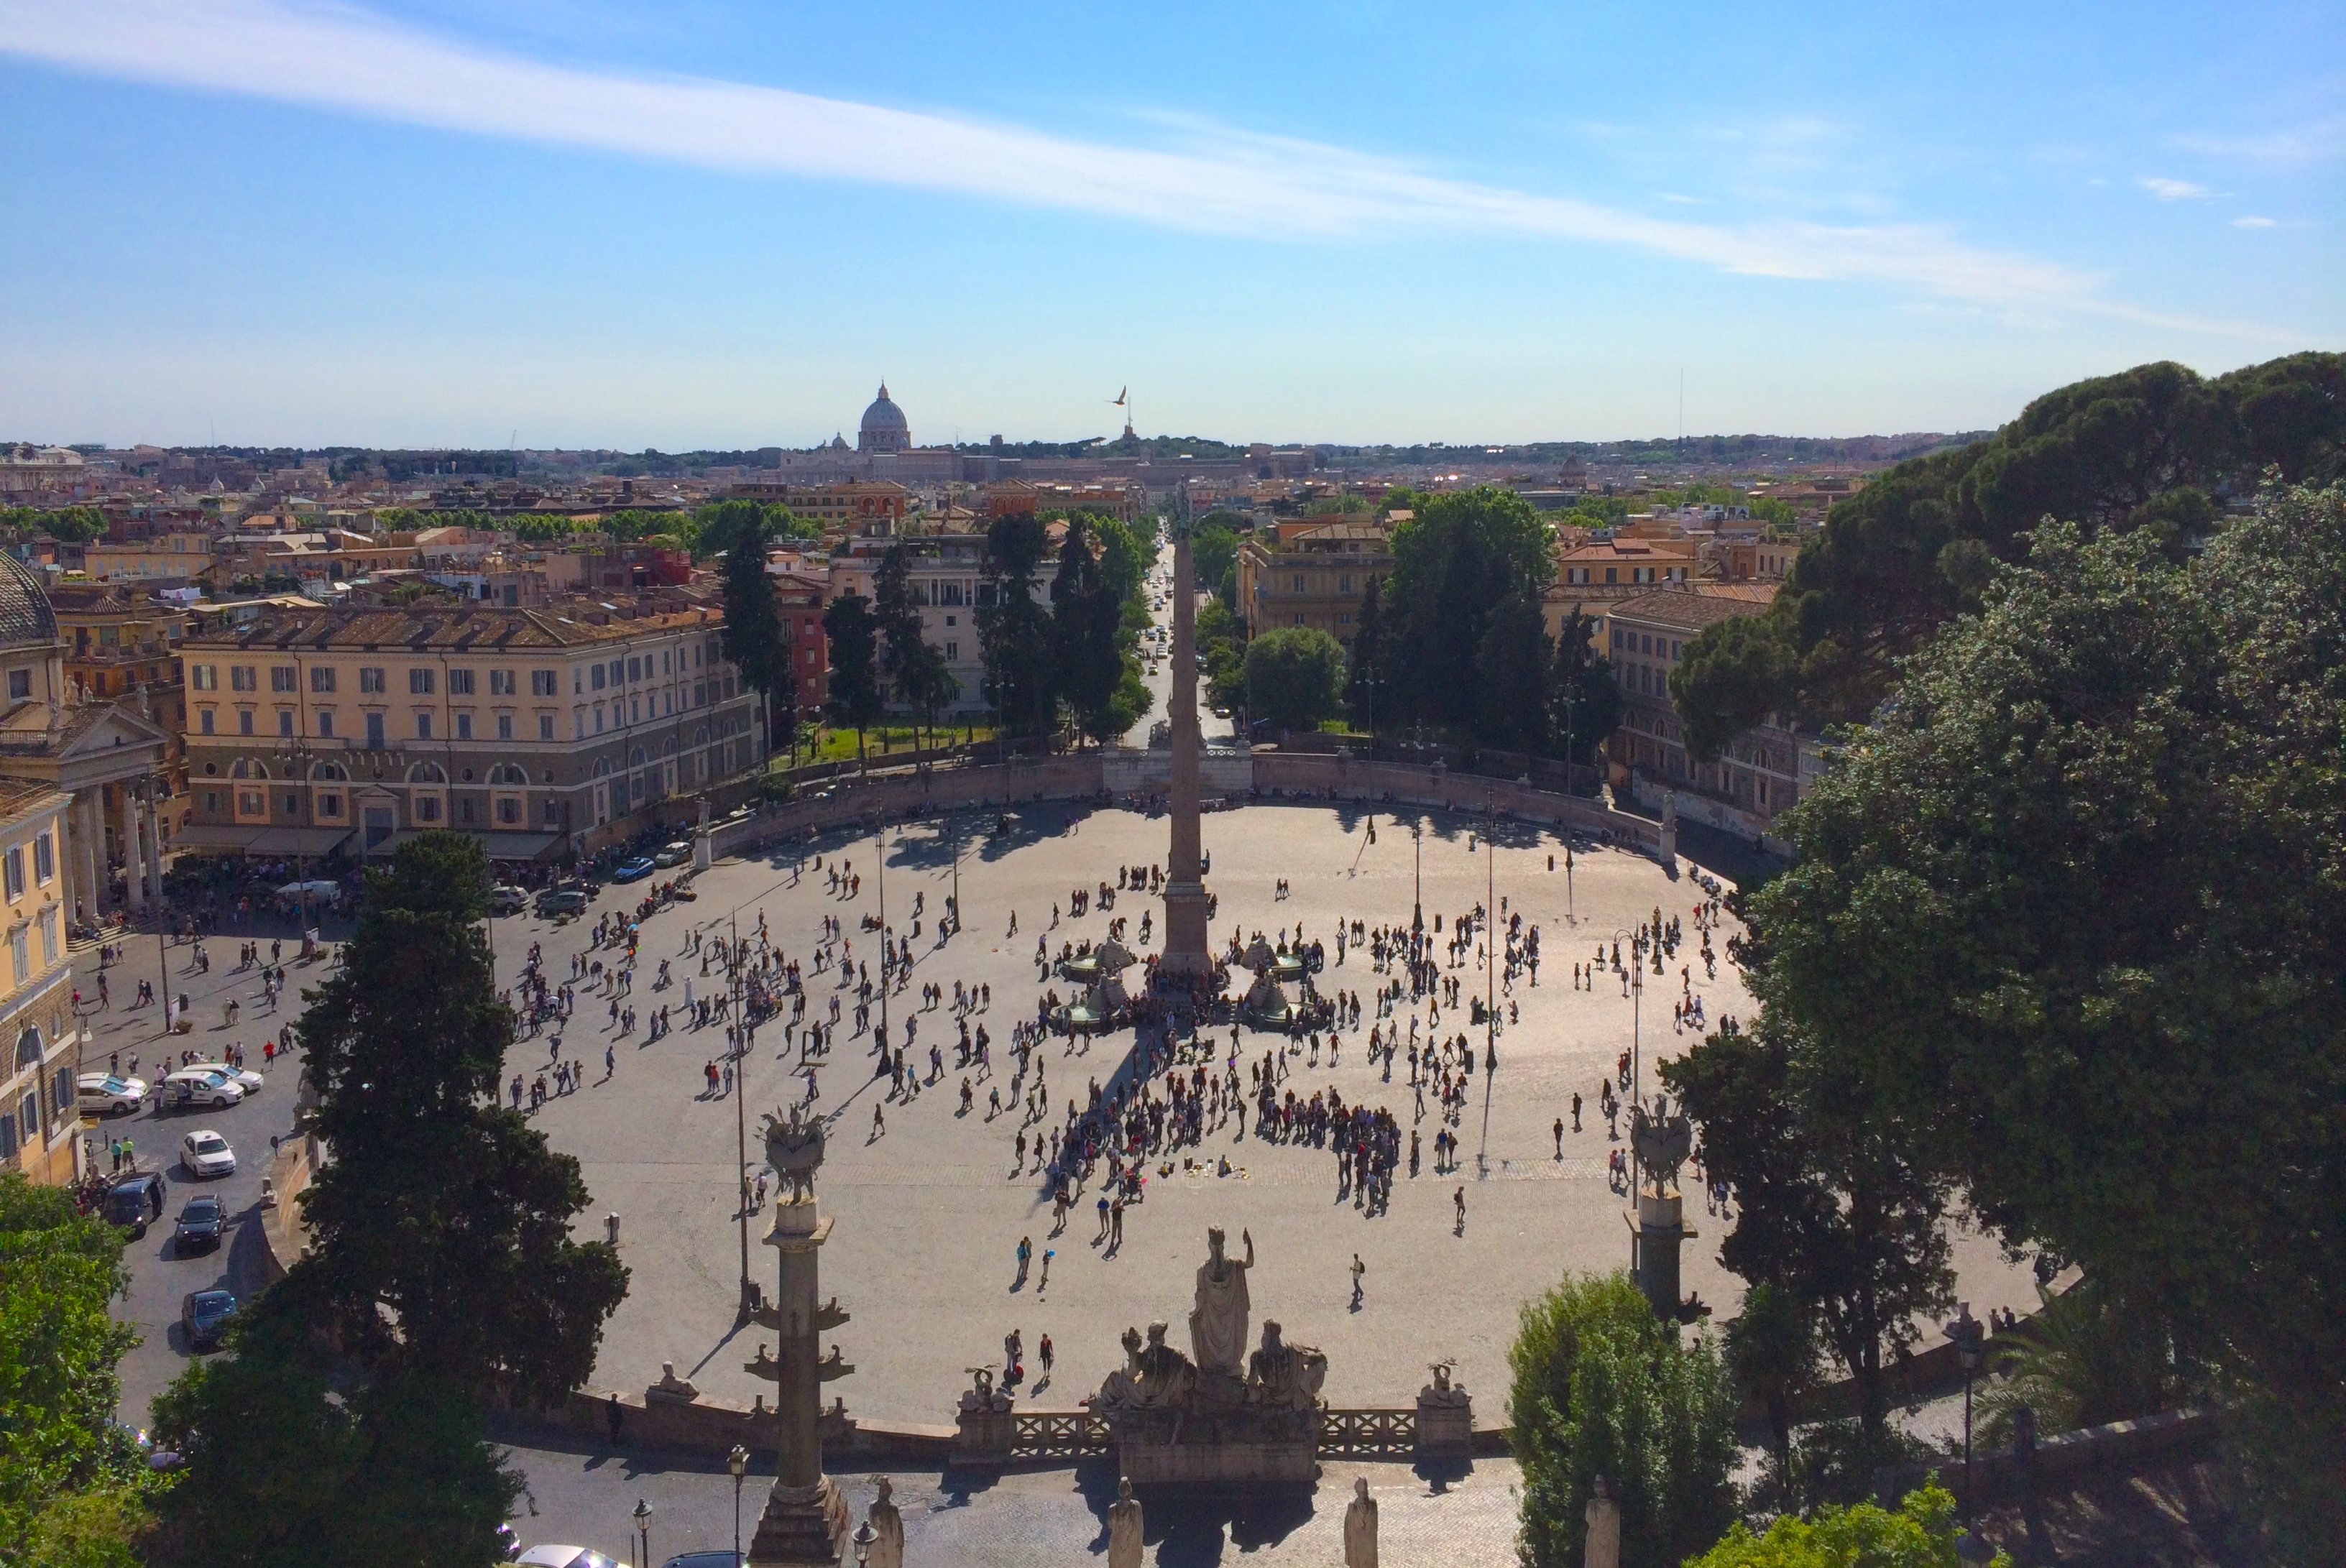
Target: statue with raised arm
<point x="1217" y="1323"/>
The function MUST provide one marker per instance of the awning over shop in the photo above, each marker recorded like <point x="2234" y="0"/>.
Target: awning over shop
<point x="316" y="842"/>
<point x="520" y="846"/>
<point x="214" y="837"/>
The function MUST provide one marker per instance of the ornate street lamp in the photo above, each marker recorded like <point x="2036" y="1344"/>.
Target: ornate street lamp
<point x="738" y="1461"/>
<point x="643" y="1518"/>
<point x="1966" y="1333"/>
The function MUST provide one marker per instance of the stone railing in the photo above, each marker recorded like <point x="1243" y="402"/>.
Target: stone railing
<point x="1059" y="1434"/>
<point x="1404" y="783"/>
<point x="1368" y="1434"/>
<point x="896" y="796"/>
<point x="2001" y="1472"/>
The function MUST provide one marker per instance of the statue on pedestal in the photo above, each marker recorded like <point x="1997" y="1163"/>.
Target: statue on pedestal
<point x="887" y="1525"/>
<point x="1361" y="1527"/>
<point x="1124" y="1529"/>
<point x="1217" y="1323"/>
<point x="1283" y="1376"/>
<point x="794" y="1148"/>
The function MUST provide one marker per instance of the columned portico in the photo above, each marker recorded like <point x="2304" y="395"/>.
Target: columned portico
<point x="134" y="870"/>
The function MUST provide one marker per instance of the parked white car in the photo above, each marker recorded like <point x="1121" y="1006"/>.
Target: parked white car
<point x="104" y="1095"/>
<point x="193" y="1088"/>
<point x="249" y="1082"/>
<point x="206" y="1153"/>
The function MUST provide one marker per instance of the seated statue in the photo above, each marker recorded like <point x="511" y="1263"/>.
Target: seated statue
<point x="1284" y="1376"/>
<point x="1153" y="1377"/>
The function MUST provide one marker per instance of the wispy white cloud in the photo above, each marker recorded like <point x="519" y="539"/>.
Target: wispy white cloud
<point x="2252" y="223"/>
<point x="2173" y="189"/>
<point x="2308" y="143"/>
<point x="1206" y="178"/>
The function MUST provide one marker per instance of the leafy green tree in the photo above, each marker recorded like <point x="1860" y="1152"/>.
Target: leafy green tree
<point x="1772" y="1350"/>
<point x="1214" y="547"/>
<point x="1514" y="668"/>
<point x="1601" y="1387"/>
<point x="1014" y="631"/>
<point x="1361" y="657"/>
<point x="1586" y="705"/>
<point x="1736" y="673"/>
<point x="58" y="1349"/>
<point x="68" y="525"/>
<point x="2153" y="447"/>
<point x="108" y="1524"/>
<point x="1085" y="615"/>
<point x="441" y="1228"/>
<point x="856" y="695"/>
<point x="1462" y="554"/>
<point x="281" y="1472"/>
<point x="2089" y="1359"/>
<point x="2068" y="917"/>
<point x="1832" y="1205"/>
<point x="902" y="650"/>
<point x="1221" y="654"/>
<point x="1296" y="677"/>
<point x="1920" y="1534"/>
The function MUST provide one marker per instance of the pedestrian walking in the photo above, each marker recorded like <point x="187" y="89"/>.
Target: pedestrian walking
<point x="1359" y="1270"/>
<point x="1025" y="1254"/>
<point x="1459" y="1198"/>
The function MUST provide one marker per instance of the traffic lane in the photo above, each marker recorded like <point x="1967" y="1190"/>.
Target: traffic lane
<point x="159" y="1275"/>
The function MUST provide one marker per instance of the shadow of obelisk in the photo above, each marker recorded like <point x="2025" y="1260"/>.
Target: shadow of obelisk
<point x="1186" y="955"/>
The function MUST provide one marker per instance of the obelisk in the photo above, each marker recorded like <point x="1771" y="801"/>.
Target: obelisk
<point x="1186" y="955"/>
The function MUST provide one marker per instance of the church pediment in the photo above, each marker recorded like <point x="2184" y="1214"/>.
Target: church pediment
<point x="90" y="733"/>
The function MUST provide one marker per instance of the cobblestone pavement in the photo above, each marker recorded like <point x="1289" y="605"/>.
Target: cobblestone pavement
<point x="1036" y="1519"/>
<point x="928" y="1213"/>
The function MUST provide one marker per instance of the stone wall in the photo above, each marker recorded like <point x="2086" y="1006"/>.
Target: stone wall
<point x="899" y="795"/>
<point x="1404" y="783"/>
<point x="283" y="1231"/>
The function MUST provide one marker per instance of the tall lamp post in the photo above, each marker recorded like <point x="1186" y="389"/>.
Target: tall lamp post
<point x="1636" y="1041"/>
<point x="740" y="1108"/>
<point x="1966" y="1333"/>
<point x="1417" y="898"/>
<point x="738" y="1461"/>
<point x="643" y="1518"/>
<point x="1491" y="937"/>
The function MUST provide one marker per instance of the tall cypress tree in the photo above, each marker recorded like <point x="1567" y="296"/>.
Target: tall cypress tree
<point x="1014" y="631"/>
<point x="855" y="696"/>
<point x="753" y="637"/>
<point x="1365" y="654"/>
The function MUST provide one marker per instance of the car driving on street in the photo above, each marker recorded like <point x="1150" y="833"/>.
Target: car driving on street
<point x="104" y="1095"/>
<point x="204" y="1314"/>
<point x="202" y="1222"/>
<point x="206" y="1153"/>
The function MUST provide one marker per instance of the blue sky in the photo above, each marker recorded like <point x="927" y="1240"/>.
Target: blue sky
<point x="577" y="222"/>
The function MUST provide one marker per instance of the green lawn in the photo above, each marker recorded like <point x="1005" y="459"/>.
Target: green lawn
<point x="839" y="744"/>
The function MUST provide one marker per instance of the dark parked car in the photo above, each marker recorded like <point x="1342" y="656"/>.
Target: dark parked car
<point x="204" y="1314"/>
<point x="635" y="870"/>
<point x="135" y="1201"/>
<point x="202" y="1223"/>
<point x="561" y="901"/>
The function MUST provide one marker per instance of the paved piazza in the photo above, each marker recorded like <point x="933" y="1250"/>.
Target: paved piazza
<point x="928" y="1215"/>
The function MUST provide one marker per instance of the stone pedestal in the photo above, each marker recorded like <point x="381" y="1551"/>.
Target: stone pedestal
<point x="1661" y="1229"/>
<point x="1446" y="1424"/>
<point x="801" y="1525"/>
<point x="1241" y="1445"/>
<point x="703" y="854"/>
<point x="985" y="1429"/>
<point x="805" y="1518"/>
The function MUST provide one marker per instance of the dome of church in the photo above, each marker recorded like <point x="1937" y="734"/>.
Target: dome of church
<point x="25" y="618"/>
<point x="884" y="427"/>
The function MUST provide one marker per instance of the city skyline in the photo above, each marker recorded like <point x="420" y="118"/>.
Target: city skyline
<point x="577" y="225"/>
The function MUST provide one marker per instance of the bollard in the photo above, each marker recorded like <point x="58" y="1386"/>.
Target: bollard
<point x="611" y="1226"/>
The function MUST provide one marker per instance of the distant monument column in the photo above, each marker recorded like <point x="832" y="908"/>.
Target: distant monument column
<point x="1185" y="953"/>
<point x="804" y="1521"/>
